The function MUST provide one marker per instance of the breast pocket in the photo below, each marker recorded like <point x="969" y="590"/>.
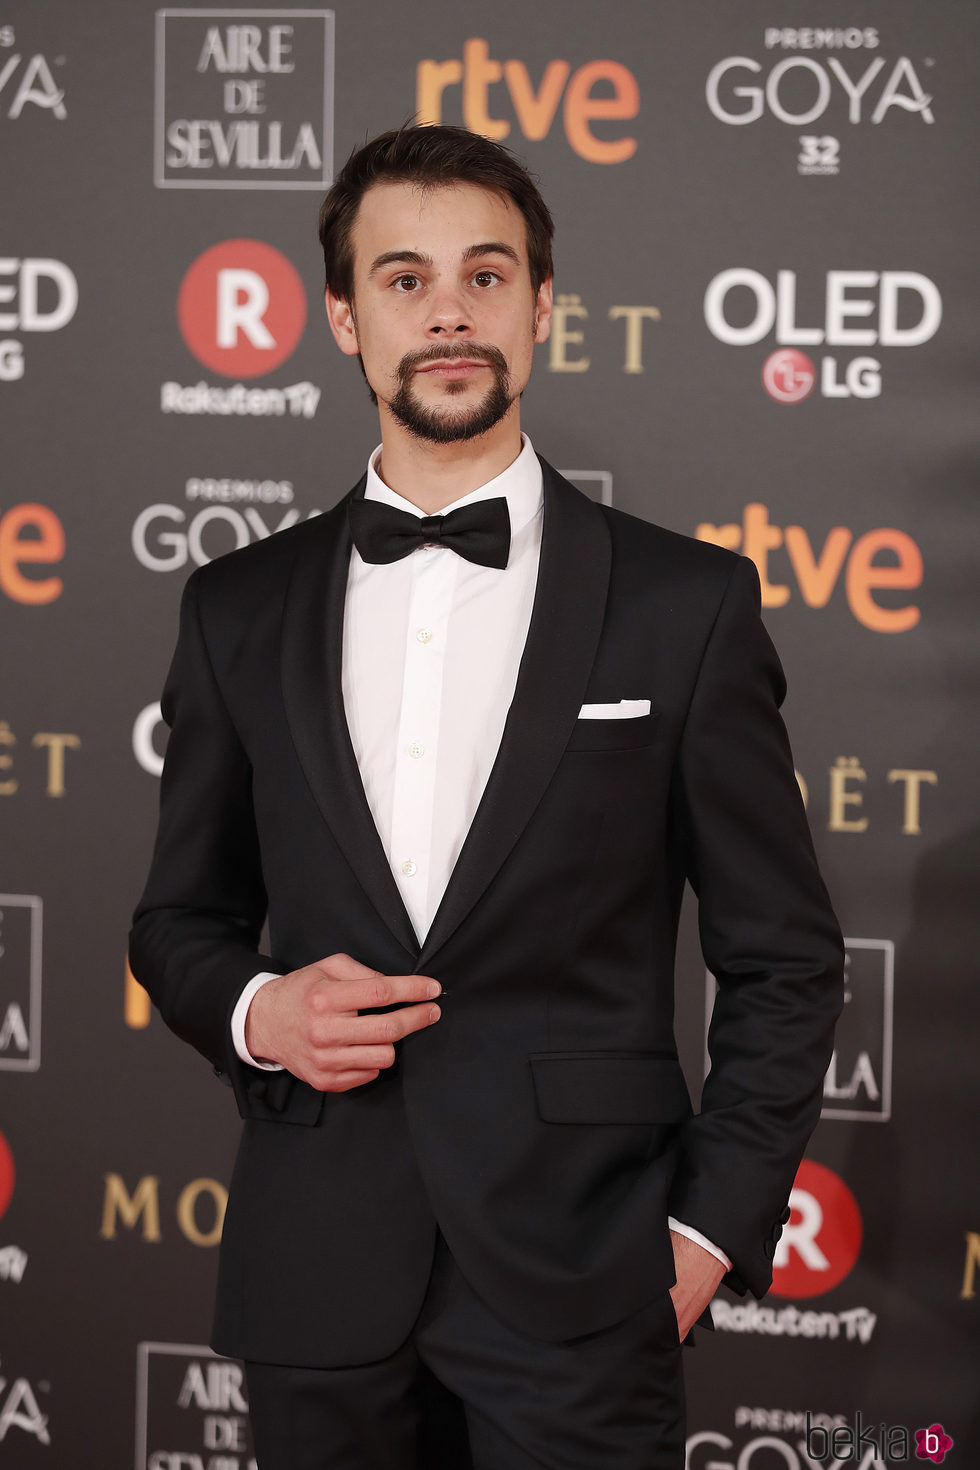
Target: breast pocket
<point x="627" y="734"/>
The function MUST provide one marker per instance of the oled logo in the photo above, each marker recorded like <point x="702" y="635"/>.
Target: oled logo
<point x="244" y="99"/>
<point x="38" y="295"/>
<point x="241" y="309"/>
<point x="20" y="982"/>
<point x="191" y="1409"/>
<point x="848" y="309"/>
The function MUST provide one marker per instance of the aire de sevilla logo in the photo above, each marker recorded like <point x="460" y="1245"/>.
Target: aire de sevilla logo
<point x="821" y="1240"/>
<point x="7" y="1174"/>
<point x="241" y="308"/>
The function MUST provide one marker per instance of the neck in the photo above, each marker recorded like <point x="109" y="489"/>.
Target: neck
<point x="432" y="476"/>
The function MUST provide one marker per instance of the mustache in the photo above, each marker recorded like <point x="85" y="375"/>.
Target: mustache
<point x="452" y="352"/>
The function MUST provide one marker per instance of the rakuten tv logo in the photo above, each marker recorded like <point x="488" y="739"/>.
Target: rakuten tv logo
<point x="821" y="1240"/>
<point x="241" y="308"/>
<point x="7" y="1175"/>
<point x="847" y="310"/>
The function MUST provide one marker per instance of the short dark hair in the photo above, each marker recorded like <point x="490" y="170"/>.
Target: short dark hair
<point x="431" y="157"/>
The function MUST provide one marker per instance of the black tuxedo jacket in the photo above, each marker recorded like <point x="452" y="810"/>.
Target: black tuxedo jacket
<point x="544" y="1121"/>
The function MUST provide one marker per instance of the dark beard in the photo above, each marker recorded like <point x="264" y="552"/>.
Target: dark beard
<point x="450" y="428"/>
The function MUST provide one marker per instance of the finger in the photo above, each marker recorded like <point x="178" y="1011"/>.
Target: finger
<point x="379" y="1031"/>
<point x="344" y="967"/>
<point x="376" y="991"/>
<point x="386" y="1029"/>
<point x="345" y="1081"/>
<point x="368" y="1058"/>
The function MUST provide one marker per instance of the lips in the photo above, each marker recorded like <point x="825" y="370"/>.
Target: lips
<point x="452" y="368"/>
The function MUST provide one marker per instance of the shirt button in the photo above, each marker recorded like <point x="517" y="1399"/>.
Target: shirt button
<point x="424" y="635"/>
<point x="416" y="750"/>
<point x="410" y="867"/>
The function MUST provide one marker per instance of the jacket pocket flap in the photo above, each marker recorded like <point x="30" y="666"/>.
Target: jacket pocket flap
<point x="609" y="1087"/>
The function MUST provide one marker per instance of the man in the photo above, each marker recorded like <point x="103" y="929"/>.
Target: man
<point x="466" y="736"/>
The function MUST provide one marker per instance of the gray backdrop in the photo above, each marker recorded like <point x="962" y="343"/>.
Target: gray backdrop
<point x="766" y="309"/>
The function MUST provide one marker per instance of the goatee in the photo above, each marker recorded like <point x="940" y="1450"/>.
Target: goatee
<point x="439" y="426"/>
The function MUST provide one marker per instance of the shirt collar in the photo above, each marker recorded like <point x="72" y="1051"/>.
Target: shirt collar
<point x="521" y="483"/>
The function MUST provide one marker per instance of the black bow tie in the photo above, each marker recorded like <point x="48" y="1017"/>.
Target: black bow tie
<point x="480" y="532"/>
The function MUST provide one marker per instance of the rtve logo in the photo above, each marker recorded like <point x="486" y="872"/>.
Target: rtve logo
<point x="821" y="1241"/>
<point x="599" y="91"/>
<point x="241" y="308"/>
<point x="30" y="534"/>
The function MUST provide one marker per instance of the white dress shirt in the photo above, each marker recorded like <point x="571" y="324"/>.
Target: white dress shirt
<point x="431" y="651"/>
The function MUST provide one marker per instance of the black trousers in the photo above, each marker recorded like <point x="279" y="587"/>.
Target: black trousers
<point x="467" y="1392"/>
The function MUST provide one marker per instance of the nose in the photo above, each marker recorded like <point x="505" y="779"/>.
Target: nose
<point x="448" y="315"/>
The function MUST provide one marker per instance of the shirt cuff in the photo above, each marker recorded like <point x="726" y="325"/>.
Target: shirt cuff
<point x="238" y="1023"/>
<point x="698" y="1239"/>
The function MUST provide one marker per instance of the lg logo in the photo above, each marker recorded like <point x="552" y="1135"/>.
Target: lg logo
<point x="241" y="308"/>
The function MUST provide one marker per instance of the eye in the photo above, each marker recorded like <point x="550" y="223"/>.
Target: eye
<point x="485" y="278"/>
<point x="406" y="283"/>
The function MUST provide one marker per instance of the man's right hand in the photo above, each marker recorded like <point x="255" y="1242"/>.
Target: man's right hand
<point x="308" y="1021"/>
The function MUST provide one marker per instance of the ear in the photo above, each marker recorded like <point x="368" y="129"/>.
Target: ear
<point x="340" y="315"/>
<point x="542" y="311"/>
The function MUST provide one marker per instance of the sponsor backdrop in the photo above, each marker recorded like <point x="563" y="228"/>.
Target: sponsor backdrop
<point x="765" y="307"/>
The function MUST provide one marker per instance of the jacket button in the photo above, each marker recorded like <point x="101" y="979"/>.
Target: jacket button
<point x="769" y="1249"/>
<point x="785" y="1215"/>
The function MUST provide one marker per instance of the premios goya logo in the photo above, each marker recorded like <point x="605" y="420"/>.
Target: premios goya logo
<point x="191" y="1409"/>
<point x="27" y="80"/>
<point x="20" y="1411"/>
<point x="819" y="77"/>
<point x="244" y="99"/>
<point x="241" y="310"/>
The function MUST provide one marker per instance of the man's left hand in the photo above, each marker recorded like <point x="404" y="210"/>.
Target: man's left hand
<point x="698" y="1275"/>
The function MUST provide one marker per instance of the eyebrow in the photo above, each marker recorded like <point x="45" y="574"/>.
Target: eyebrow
<point x="414" y="257"/>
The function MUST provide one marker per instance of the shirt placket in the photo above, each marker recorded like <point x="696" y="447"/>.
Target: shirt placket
<point x="434" y="571"/>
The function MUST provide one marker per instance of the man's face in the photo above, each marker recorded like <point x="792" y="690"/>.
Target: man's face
<point x="444" y="317"/>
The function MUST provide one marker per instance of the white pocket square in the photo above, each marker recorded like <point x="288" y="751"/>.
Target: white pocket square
<point x="626" y="709"/>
